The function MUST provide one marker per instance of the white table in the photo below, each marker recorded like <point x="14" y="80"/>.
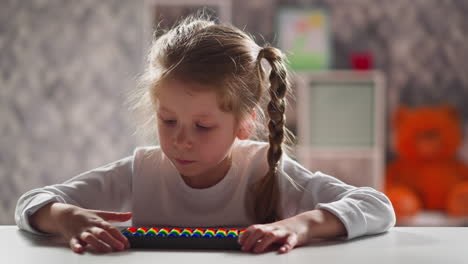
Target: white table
<point x="400" y="245"/>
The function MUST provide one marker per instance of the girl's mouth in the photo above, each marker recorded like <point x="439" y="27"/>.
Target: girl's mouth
<point x="184" y="162"/>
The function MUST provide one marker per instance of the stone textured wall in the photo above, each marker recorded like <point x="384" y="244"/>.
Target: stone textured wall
<point x="65" y="65"/>
<point x="63" y="71"/>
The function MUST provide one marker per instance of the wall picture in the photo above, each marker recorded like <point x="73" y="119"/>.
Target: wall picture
<point x="304" y="36"/>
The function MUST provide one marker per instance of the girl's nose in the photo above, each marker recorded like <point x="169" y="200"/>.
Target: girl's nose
<point x="181" y="139"/>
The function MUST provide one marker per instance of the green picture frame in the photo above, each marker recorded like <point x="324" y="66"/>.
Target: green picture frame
<point x="304" y="35"/>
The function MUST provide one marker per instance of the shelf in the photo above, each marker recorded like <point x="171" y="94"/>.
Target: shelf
<point x="433" y="218"/>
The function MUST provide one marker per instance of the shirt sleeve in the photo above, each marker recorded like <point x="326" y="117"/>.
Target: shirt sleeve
<point x="363" y="210"/>
<point x="105" y="188"/>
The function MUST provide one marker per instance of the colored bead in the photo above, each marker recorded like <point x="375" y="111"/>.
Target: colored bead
<point x="175" y="232"/>
<point x="142" y="230"/>
<point x="209" y="233"/>
<point x="151" y="232"/>
<point x="163" y="232"/>
<point x="127" y="233"/>
<point x="186" y="233"/>
<point x="232" y="233"/>
<point x="221" y="233"/>
<point x="197" y="233"/>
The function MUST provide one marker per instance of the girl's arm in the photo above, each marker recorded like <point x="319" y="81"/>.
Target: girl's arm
<point x="321" y="224"/>
<point x="82" y="227"/>
<point x="325" y="207"/>
<point x="105" y="188"/>
<point x="298" y="230"/>
<point x="361" y="210"/>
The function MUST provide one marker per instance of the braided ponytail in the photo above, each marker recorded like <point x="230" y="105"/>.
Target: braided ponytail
<point x="266" y="190"/>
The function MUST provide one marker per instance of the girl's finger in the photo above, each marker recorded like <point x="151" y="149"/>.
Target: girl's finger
<point x="252" y="240"/>
<point x="76" y="245"/>
<point x="243" y="237"/>
<point x="91" y="240"/>
<point x="104" y="236"/>
<point x="113" y="216"/>
<point x="115" y="232"/>
<point x="267" y="240"/>
<point x="290" y="243"/>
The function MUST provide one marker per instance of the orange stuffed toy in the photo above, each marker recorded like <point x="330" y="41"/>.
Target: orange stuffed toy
<point x="427" y="173"/>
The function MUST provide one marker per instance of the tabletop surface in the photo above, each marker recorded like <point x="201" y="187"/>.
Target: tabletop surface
<point x="399" y="245"/>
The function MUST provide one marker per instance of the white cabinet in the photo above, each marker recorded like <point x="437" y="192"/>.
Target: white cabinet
<point x="341" y="125"/>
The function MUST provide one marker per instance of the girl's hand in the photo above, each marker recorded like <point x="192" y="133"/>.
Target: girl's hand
<point x="288" y="233"/>
<point x="291" y="232"/>
<point x="90" y="229"/>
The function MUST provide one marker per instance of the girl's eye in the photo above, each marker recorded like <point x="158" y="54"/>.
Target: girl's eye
<point x="203" y="127"/>
<point x="169" y="122"/>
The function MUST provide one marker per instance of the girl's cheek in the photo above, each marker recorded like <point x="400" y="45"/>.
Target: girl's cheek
<point x="209" y="136"/>
<point x="164" y="133"/>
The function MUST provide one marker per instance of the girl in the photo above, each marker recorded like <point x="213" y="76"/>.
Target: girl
<point x="205" y="85"/>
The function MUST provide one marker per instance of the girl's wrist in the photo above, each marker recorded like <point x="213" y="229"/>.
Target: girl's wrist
<point x="321" y="224"/>
<point x="42" y="220"/>
<point x="50" y="217"/>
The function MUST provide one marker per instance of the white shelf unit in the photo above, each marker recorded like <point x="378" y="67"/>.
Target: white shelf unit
<point x="341" y="125"/>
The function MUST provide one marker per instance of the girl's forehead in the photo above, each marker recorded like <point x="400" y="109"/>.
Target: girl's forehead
<point x="176" y="95"/>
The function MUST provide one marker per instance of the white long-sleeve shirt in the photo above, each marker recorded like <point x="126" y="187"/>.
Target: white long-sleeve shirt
<point x="148" y="185"/>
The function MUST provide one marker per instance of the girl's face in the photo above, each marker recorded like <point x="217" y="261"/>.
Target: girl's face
<point x="195" y="134"/>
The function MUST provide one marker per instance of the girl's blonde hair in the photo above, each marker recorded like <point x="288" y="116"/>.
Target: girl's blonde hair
<point x="227" y="61"/>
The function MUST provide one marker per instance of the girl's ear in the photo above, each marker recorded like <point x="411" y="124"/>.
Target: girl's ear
<point x="246" y="128"/>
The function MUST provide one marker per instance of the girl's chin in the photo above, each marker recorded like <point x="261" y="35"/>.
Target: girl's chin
<point x="186" y="171"/>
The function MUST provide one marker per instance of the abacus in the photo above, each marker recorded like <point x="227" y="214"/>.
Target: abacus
<point x="186" y="238"/>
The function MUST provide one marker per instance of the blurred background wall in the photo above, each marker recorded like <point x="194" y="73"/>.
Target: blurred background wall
<point x="65" y="67"/>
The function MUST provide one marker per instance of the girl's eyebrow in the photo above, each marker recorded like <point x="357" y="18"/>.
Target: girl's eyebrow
<point x="201" y="115"/>
<point x="162" y="108"/>
<point x="204" y="116"/>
